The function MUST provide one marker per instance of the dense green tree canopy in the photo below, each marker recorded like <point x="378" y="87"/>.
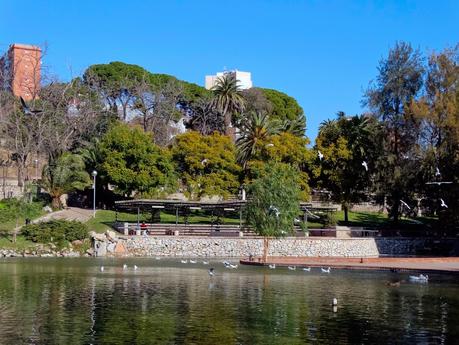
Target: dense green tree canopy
<point x="117" y="80"/>
<point x="207" y="164"/>
<point x="284" y="107"/>
<point x="347" y="144"/>
<point x="134" y="164"/>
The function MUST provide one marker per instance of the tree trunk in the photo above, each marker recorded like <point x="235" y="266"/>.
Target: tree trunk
<point x="346" y="213"/>
<point x="21" y="168"/>
<point x="56" y="202"/>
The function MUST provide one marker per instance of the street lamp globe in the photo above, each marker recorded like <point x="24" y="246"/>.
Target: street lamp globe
<point x="94" y="173"/>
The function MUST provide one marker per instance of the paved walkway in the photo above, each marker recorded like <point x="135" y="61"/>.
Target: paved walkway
<point x="439" y="264"/>
<point x="70" y="213"/>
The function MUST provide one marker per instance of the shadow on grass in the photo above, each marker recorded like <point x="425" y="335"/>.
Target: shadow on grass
<point x="422" y="225"/>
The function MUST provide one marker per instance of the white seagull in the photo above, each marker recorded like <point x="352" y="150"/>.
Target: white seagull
<point x="204" y="161"/>
<point x="135" y="268"/>
<point x="232" y="266"/>
<point x="325" y="270"/>
<point x="272" y="266"/>
<point x="275" y="210"/>
<point x="27" y="110"/>
<point x="365" y="165"/>
<point x="205" y="262"/>
<point x="321" y="156"/>
<point x="125" y="267"/>
<point x="420" y="278"/>
<point x="192" y="261"/>
<point x="102" y="268"/>
<point x="184" y="261"/>
<point x="437" y="172"/>
<point x="292" y="268"/>
<point x="405" y="204"/>
<point x="211" y="271"/>
<point x="443" y="203"/>
<point x="308" y="269"/>
<point x="439" y="183"/>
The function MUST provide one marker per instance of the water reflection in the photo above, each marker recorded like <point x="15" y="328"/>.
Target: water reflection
<point x="69" y="301"/>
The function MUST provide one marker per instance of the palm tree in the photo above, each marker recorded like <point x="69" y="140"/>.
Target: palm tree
<point x="296" y="127"/>
<point x="65" y="175"/>
<point x="256" y="130"/>
<point x="228" y="98"/>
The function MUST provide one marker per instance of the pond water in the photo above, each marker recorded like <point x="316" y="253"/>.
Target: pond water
<point x="70" y="301"/>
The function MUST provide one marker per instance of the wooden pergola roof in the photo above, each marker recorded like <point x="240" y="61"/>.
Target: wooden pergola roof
<point x="229" y="205"/>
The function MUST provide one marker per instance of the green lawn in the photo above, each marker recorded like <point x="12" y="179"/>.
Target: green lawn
<point x="21" y="243"/>
<point x="381" y="220"/>
<point x="105" y="218"/>
<point x="11" y="209"/>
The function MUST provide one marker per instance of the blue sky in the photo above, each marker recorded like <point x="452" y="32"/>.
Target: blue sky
<point x="323" y="53"/>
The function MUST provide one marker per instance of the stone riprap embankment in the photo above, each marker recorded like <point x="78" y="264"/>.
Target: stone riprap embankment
<point x="43" y="251"/>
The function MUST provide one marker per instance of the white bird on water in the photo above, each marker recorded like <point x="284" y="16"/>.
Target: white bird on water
<point x="365" y="165"/>
<point x="135" y="268"/>
<point x="325" y="270"/>
<point x="405" y="204"/>
<point x="125" y="267"/>
<point x="307" y="269"/>
<point x="272" y="266"/>
<point x="292" y="268"/>
<point x="443" y="204"/>
<point x="321" y="156"/>
<point x="420" y="278"/>
<point x="102" y="268"/>
<point x="184" y="261"/>
<point x="211" y="271"/>
<point x="205" y="262"/>
<point x="192" y="261"/>
<point x="232" y="266"/>
<point x="158" y="258"/>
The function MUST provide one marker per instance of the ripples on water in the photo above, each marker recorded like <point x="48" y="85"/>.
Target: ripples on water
<point x="69" y="301"/>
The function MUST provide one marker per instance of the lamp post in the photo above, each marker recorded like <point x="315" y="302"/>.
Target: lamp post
<point x="94" y="174"/>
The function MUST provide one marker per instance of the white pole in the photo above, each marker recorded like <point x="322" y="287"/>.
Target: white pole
<point x="94" y="174"/>
<point x="94" y="201"/>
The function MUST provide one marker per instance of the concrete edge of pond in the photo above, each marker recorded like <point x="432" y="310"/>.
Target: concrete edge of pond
<point x="426" y="265"/>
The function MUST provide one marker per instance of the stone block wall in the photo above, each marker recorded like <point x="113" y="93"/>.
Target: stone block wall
<point x="243" y="247"/>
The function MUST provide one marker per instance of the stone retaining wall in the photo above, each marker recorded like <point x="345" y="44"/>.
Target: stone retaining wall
<point x="111" y="244"/>
<point x="240" y="247"/>
<point x="417" y="246"/>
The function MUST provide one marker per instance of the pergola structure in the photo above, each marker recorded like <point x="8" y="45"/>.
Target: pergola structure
<point x="180" y="206"/>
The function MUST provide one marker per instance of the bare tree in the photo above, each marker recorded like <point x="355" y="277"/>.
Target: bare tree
<point x="159" y="108"/>
<point x="206" y="118"/>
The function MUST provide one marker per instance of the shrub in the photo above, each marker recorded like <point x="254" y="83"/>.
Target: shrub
<point x="55" y="231"/>
<point x="329" y="219"/>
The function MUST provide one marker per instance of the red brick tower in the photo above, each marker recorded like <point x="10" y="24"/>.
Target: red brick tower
<point x="20" y="70"/>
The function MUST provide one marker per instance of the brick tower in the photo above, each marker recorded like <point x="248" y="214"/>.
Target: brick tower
<point x="20" y="70"/>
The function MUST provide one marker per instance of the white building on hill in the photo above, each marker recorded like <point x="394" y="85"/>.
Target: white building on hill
<point x="244" y="79"/>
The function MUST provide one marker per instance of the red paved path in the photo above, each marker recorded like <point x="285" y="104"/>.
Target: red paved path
<point x="445" y="264"/>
